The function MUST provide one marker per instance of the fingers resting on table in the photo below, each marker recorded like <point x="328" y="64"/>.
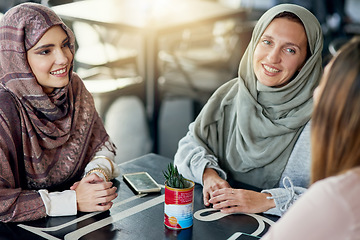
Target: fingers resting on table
<point x="218" y="193"/>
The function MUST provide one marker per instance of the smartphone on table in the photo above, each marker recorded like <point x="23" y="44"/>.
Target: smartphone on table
<point x="141" y="182"/>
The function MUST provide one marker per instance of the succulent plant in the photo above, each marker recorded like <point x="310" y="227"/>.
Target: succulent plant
<point x="175" y="179"/>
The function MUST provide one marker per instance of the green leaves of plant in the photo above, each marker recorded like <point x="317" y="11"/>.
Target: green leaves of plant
<point x="173" y="178"/>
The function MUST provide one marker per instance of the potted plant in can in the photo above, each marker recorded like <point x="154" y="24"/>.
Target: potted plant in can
<point x="179" y="197"/>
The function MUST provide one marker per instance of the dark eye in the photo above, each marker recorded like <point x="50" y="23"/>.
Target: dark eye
<point x="44" y="52"/>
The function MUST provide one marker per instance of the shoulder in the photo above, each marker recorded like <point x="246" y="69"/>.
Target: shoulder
<point x="338" y="196"/>
<point x="341" y="191"/>
<point x="343" y="184"/>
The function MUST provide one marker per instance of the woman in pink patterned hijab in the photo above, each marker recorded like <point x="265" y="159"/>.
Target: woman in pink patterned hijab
<point x="50" y="132"/>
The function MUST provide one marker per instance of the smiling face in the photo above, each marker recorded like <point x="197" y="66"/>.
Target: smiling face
<point x="280" y="52"/>
<point x="50" y="59"/>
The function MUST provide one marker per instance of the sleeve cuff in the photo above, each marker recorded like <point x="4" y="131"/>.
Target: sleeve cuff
<point x="283" y="198"/>
<point x="280" y="197"/>
<point x="59" y="203"/>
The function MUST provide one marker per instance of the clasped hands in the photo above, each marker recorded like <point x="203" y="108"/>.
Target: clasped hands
<point x="94" y="194"/>
<point x="217" y="191"/>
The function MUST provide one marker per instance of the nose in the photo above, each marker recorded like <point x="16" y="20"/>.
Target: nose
<point x="273" y="55"/>
<point x="61" y="57"/>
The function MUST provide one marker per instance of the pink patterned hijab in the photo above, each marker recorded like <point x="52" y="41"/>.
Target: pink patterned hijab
<point x="60" y="132"/>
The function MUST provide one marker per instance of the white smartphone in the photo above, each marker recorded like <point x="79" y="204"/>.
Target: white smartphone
<point x="141" y="182"/>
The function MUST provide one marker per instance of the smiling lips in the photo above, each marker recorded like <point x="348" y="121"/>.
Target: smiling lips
<point x="59" y="72"/>
<point x="270" y="69"/>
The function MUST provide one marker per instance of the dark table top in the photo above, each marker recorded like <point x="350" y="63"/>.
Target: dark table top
<point x="141" y="216"/>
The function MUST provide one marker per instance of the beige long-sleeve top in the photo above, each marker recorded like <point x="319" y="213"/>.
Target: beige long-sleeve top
<point x="330" y="209"/>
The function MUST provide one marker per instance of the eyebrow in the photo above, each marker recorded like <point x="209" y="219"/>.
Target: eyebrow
<point x="50" y="45"/>
<point x="287" y="43"/>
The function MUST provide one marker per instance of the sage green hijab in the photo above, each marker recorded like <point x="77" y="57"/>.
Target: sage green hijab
<point x="252" y="128"/>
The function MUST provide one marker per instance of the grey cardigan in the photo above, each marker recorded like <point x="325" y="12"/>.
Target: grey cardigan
<point x="191" y="160"/>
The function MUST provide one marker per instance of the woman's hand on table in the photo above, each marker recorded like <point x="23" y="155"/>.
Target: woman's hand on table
<point x="230" y="200"/>
<point x="211" y="182"/>
<point x="94" y="194"/>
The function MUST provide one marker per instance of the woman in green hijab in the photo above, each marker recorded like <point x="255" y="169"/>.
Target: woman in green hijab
<point x="254" y="130"/>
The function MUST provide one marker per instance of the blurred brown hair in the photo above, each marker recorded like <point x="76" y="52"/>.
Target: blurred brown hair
<point x="335" y="134"/>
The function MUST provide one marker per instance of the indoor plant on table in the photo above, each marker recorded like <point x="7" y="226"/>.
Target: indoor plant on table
<point x="179" y="197"/>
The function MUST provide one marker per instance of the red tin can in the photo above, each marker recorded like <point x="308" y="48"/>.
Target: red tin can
<point x="179" y="207"/>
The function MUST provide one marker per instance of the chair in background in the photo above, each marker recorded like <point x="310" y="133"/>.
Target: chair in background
<point x="199" y="63"/>
<point x="100" y="46"/>
<point x="107" y="64"/>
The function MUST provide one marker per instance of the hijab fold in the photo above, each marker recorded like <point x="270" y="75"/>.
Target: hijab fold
<point x="252" y="128"/>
